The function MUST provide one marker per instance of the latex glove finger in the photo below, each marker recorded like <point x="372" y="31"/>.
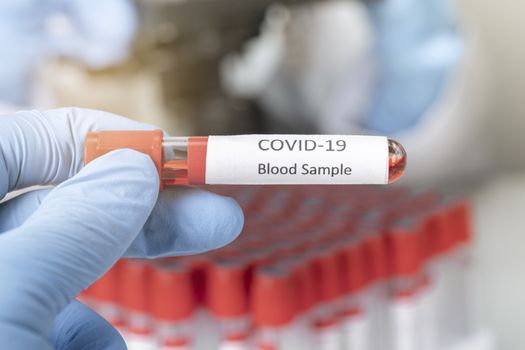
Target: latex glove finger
<point x="17" y="210"/>
<point x="79" y="327"/>
<point x="47" y="147"/>
<point x="38" y="148"/>
<point x="184" y="221"/>
<point x="82" y="227"/>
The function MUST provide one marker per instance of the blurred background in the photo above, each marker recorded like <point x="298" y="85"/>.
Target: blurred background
<point x="443" y="77"/>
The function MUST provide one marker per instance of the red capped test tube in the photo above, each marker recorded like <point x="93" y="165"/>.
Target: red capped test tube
<point x="274" y="305"/>
<point x="259" y="159"/>
<point x="173" y="306"/>
<point x="105" y="298"/>
<point x="135" y="299"/>
<point x="406" y="254"/>
<point x="227" y="302"/>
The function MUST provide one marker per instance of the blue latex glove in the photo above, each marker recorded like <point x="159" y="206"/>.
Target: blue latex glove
<point x="55" y="243"/>
<point x="98" y="33"/>
<point x="418" y="44"/>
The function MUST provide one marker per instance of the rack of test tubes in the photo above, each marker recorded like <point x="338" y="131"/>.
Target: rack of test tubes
<point x="315" y="268"/>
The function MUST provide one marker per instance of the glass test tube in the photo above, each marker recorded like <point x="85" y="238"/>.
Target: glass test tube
<point x="259" y="159"/>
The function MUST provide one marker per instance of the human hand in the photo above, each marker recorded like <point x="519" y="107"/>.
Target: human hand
<point x="56" y="242"/>
<point x="97" y="33"/>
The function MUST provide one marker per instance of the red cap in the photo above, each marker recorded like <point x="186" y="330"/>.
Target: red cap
<point x="226" y="290"/>
<point x="133" y="291"/>
<point x="461" y="221"/>
<point x="148" y="142"/>
<point x="199" y="266"/>
<point x="353" y="267"/>
<point x="106" y="288"/>
<point x="437" y="228"/>
<point x="304" y="281"/>
<point x="327" y="276"/>
<point x="374" y="252"/>
<point x="274" y="300"/>
<point x="405" y="249"/>
<point x="172" y="297"/>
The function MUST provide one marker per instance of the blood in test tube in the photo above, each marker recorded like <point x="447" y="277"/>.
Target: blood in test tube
<point x="397" y="160"/>
<point x="259" y="159"/>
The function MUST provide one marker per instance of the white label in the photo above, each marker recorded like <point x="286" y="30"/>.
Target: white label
<point x="297" y="159"/>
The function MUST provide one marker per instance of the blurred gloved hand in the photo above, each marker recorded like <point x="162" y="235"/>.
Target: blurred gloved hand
<point x="350" y="66"/>
<point x="98" y="33"/>
<point x="419" y="43"/>
<point x="56" y="242"/>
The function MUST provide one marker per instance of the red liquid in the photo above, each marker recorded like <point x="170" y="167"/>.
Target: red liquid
<point x="397" y="160"/>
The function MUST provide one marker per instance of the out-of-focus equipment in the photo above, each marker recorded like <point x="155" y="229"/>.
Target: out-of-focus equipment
<point x="173" y="79"/>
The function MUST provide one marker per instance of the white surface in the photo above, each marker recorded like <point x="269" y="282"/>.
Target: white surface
<point x="238" y="159"/>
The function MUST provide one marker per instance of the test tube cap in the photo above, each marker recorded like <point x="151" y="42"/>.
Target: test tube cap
<point x="227" y="295"/>
<point x="148" y="142"/>
<point x="374" y="252"/>
<point x="353" y="267"/>
<point x="106" y="288"/>
<point x="405" y="248"/>
<point x="172" y="295"/>
<point x="304" y="282"/>
<point x="438" y="231"/>
<point x="134" y="288"/>
<point x="274" y="299"/>
<point x="461" y="221"/>
<point x="328" y="275"/>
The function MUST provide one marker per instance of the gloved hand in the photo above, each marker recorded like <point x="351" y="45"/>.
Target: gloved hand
<point x="419" y="43"/>
<point x="56" y="242"/>
<point x="97" y="33"/>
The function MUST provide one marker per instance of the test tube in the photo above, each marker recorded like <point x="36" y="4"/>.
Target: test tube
<point x="329" y="287"/>
<point x="438" y="231"/>
<point x="105" y="298"/>
<point x="173" y="306"/>
<point x="134" y="294"/>
<point x="227" y="301"/>
<point x="375" y="298"/>
<point x="274" y="306"/>
<point x="259" y="159"/>
<point x="405" y="260"/>
<point x="461" y="256"/>
<point x="355" y="318"/>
